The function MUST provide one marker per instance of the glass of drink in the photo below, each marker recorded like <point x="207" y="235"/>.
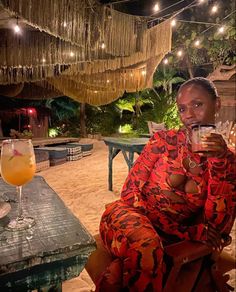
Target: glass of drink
<point x="198" y="133"/>
<point x="18" y="168"/>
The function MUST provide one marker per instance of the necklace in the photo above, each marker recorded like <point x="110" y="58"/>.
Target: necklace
<point x="193" y="164"/>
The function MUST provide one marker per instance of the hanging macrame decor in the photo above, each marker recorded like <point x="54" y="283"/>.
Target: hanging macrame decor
<point x="81" y="49"/>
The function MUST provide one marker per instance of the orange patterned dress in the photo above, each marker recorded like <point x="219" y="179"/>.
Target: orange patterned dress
<point x="166" y="190"/>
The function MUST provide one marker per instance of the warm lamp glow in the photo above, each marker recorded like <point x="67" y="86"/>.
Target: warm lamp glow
<point x="180" y="53"/>
<point x="156" y="7"/>
<point x="72" y="54"/>
<point x="103" y="45"/>
<point x="197" y="43"/>
<point x="173" y="22"/>
<point x="17" y="28"/>
<point x="64" y="24"/>
<point x="43" y="60"/>
<point x="143" y="72"/>
<point x="221" y="29"/>
<point x="165" y="61"/>
<point x="214" y="9"/>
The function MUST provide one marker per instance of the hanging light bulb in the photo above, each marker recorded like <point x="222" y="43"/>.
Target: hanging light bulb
<point x="180" y="53"/>
<point x="214" y="9"/>
<point x="108" y="81"/>
<point x="197" y="43"/>
<point x="173" y="22"/>
<point x="156" y="7"/>
<point x="201" y="1"/>
<point x="43" y="60"/>
<point x="165" y="61"/>
<point x="143" y="72"/>
<point x="103" y="45"/>
<point x="221" y="29"/>
<point x="16" y="27"/>
<point x="64" y="24"/>
<point x="72" y="54"/>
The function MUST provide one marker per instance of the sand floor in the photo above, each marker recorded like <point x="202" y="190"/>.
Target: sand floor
<point x="83" y="186"/>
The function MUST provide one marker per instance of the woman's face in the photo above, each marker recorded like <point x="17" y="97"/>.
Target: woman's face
<point x="196" y="106"/>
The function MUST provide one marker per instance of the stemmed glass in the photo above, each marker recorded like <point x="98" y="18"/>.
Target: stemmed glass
<point x="18" y="168"/>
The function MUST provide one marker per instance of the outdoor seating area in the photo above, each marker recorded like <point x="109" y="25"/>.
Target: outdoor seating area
<point x="117" y="146"/>
<point x="59" y="154"/>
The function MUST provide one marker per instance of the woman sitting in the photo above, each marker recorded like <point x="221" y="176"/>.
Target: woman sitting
<point x="168" y="187"/>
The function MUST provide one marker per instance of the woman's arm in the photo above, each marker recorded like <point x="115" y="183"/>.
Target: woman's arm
<point x="221" y="200"/>
<point x="141" y="170"/>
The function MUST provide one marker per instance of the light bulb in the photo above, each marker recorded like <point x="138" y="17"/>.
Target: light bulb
<point x="214" y="9"/>
<point x="43" y="60"/>
<point x="143" y="72"/>
<point x="221" y="29"/>
<point x="103" y="45"/>
<point x="173" y="22"/>
<point x="108" y="81"/>
<point x="165" y="61"/>
<point x="197" y="43"/>
<point x="180" y="53"/>
<point x="201" y="1"/>
<point x="64" y="24"/>
<point x="72" y="54"/>
<point x="17" y="28"/>
<point x="156" y="7"/>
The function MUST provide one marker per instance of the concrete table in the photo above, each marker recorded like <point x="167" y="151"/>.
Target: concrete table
<point x="54" y="250"/>
<point x="128" y="146"/>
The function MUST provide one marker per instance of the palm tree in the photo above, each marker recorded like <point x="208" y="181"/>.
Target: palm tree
<point x="166" y="78"/>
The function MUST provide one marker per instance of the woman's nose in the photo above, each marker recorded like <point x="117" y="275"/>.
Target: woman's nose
<point x="189" y="113"/>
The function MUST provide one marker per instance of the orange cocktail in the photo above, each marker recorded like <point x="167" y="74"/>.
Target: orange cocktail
<point x="18" y="170"/>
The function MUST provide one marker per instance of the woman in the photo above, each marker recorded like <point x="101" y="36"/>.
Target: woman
<point x="169" y="187"/>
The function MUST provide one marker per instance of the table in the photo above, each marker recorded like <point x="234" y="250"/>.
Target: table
<point x="47" y="141"/>
<point x="54" y="250"/>
<point x="128" y="146"/>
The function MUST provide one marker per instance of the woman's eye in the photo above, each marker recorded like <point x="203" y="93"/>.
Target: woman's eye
<point x="198" y="104"/>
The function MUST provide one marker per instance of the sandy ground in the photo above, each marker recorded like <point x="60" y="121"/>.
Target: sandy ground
<point x="83" y="186"/>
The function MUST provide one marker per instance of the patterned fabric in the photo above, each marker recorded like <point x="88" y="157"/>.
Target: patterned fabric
<point x="161" y="200"/>
<point x="42" y="165"/>
<point x="74" y="157"/>
<point x="71" y="149"/>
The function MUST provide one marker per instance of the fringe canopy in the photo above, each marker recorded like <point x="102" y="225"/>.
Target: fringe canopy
<point x="84" y="50"/>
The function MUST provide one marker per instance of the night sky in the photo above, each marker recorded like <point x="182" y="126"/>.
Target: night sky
<point x="145" y="7"/>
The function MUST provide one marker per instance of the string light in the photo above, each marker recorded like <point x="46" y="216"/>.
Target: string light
<point x="165" y="61"/>
<point x="197" y="43"/>
<point x="173" y="22"/>
<point x="16" y="27"/>
<point x="180" y="53"/>
<point x="143" y="72"/>
<point x="221" y="29"/>
<point x="156" y="7"/>
<point x="214" y="9"/>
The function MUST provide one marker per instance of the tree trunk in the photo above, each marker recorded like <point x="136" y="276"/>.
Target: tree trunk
<point x="189" y="66"/>
<point x="83" y="132"/>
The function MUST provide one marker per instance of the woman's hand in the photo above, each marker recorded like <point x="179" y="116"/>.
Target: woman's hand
<point x="215" y="144"/>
